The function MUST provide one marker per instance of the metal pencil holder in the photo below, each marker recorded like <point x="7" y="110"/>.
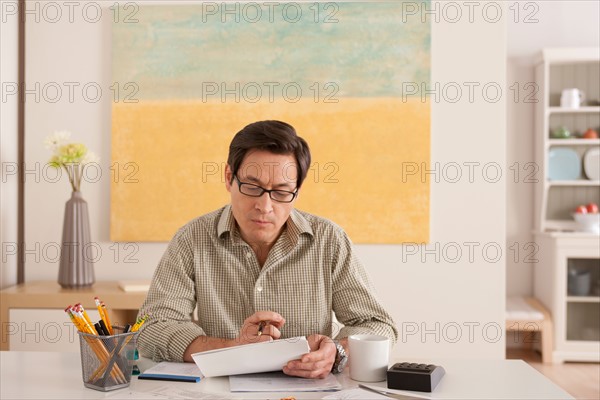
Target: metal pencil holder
<point x="107" y="361"/>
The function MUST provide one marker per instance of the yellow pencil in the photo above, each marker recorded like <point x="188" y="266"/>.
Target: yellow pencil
<point x="72" y="317"/>
<point x="139" y="323"/>
<point x="107" y="319"/>
<point x="102" y="311"/>
<point x="86" y="316"/>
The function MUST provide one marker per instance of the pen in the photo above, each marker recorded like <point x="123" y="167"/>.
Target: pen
<point x="104" y="328"/>
<point x="99" y="329"/>
<point x="386" y="393"/>
<point x="261" y="327"/>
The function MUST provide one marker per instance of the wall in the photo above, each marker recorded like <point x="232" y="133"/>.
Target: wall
<point x="559" y="24"/>
<point x="447" y="296"/>
<point x="9" y="56"/>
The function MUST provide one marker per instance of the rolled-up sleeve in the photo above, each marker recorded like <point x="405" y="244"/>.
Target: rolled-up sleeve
<point x="170" y="304"/>
<point x="354" y="301"/>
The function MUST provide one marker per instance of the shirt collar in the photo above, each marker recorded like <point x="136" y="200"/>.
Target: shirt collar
<point x="296" y="225"/>
<point x="226" y="221"/>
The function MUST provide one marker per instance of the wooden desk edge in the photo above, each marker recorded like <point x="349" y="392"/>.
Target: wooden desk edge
<point x="122" y="305"/>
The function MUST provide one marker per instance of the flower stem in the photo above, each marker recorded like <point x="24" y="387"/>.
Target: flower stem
<point x="69" y="170"/>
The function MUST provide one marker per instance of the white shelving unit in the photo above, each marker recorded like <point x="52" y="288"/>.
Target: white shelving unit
<point x="561" y="247"/>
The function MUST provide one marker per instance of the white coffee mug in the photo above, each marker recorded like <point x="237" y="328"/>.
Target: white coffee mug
<point x="571" y="98"/>
<point x="369" y="357"/>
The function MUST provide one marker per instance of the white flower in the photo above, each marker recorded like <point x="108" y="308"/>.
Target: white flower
<point x="56" y="139"/>
<point x="90" y="157"/>
<point x="73" y="157"/>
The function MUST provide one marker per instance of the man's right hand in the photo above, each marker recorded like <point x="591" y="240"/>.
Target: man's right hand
<point x="271" y="321"/>
<point x="248" y="334"/>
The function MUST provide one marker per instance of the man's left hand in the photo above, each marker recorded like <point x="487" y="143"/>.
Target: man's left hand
<point x="317" y="363"/>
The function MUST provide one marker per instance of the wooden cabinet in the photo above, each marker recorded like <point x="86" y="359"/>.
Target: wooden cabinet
<point x="32" y="317"/>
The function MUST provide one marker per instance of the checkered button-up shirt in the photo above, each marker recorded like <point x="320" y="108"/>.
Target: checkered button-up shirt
<point x="311" y="270"/>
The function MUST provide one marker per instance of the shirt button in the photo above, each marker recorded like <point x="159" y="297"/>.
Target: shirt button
<point x="249" y="254"/>
<point x="259" y="288"/>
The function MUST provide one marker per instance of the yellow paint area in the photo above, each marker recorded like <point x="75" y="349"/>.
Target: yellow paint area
<point x="168" y="161"/>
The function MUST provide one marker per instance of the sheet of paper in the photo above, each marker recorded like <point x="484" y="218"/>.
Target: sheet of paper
<point x="355" y="394"/>
<point x="134" y="394"/>
<point x="174" y="368"/>
<point x="164" y="392"/>
<point x="280" y="382"/>
<point x="172" y="392"/>
<point x="251" y="358"/>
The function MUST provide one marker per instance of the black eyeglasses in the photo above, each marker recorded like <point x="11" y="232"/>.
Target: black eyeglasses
<point x="281" y="196"/>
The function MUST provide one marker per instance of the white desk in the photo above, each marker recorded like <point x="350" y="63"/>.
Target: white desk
<point x="48" y="375"/>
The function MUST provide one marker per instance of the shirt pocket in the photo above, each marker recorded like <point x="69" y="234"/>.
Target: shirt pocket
<point x="306" y="309"/>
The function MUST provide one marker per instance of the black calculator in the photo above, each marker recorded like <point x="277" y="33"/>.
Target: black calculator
<point x="413" y="376"/>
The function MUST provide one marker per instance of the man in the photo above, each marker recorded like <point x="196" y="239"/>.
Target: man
<point x="258" y="269"/>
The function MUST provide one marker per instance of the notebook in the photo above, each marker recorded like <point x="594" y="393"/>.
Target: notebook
<point x="172" y="371"/>
<point x="251" y="358"/>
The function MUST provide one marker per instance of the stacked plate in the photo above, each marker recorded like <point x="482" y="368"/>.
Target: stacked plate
<point x="563" y="164"/>
<point x="591" y="164"/>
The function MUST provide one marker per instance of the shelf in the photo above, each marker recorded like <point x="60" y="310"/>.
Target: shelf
<point x="580" y="110"/>
<point x="573" y="142"/>
<point x="583" y="299"/>
<point x="578" y="182"/>
<point x="568" y="55"/>
<point x="565" y="228"/>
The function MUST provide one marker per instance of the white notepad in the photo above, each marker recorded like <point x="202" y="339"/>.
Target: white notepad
<point x="251" y="358"/>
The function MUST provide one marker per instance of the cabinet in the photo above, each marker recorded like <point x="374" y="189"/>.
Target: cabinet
<point x="563" y="250"/>
<point x="576" y="315"/>
<point x="32" y="316"/>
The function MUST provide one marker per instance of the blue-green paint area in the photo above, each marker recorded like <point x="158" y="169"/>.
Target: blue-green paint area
<point x="186" y="51"/>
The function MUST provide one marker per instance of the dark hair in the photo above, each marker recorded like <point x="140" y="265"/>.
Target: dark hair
<point x="274" y="136"/>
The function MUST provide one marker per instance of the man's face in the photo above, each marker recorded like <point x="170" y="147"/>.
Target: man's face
<point x="261" y="219"/>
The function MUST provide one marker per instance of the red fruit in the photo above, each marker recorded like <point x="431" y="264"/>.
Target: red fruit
<point x="592" y="208"/>
<point x="581" y="210"/>
<point x="590" y="134"/>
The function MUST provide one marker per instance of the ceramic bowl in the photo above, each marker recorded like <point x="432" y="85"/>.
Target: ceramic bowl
<point x="588" y="222"/>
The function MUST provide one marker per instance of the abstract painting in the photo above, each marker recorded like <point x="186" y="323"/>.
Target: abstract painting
<point x="347" y="76"/>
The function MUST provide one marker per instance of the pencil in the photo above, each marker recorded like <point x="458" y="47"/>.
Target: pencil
<point x="139" y="323"/>
<point x="100" y="310"/>
<point x="86" y="316"/>
<point x="107" y="319"/>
